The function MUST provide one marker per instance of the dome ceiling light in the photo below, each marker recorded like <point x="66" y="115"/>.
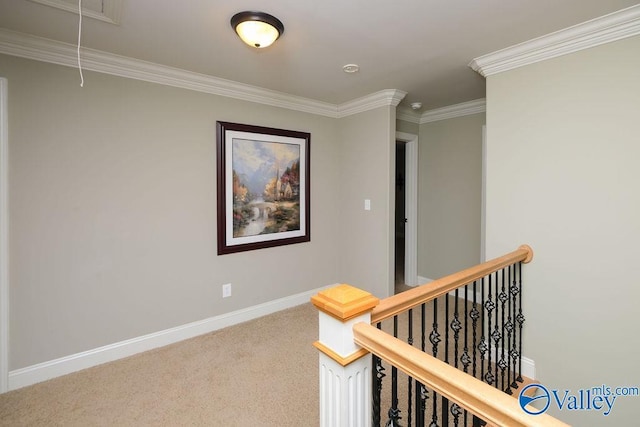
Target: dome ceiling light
<point x="257" y="29"/>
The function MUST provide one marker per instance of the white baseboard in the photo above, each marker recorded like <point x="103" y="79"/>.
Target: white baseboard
<point x="65" y="365"/>
<point x="528" y="368"/>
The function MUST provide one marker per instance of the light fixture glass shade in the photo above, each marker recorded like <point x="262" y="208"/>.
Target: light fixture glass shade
<point x="257" y="34"/>
<point x="257" y="29"/>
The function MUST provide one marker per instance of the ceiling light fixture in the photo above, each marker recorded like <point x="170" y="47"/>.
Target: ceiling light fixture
<point x="257" y="29"/>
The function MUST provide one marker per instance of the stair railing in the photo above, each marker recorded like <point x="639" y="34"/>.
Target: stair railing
<point x="472" y="320"/>
<point x="481" y="310"/>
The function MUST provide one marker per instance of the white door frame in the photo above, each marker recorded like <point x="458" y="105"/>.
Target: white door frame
<point x="4" y="240"/>
<point x="411" y="208"/>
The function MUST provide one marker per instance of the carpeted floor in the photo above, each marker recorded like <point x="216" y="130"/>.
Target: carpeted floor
<point x="259" y="373"/>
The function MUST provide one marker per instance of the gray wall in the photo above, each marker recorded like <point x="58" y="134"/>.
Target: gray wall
<point x="367" y="160"/>
<point x="113" y="209"/>
<point x="449" y="195"/>
<point x="407" y="127"/>
<point x="563" y="149"/>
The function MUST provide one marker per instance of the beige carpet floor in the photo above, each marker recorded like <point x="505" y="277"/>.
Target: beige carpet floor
<point x="259" y="373"/>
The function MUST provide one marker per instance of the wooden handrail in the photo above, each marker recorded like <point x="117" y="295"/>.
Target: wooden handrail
<point x="482" y="400"/>
<point x="403" y="301"/>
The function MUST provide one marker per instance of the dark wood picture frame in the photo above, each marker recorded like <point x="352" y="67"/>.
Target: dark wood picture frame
<point x="263" y="185"/>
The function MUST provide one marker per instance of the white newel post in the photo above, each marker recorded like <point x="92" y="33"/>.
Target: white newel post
<point x="345" y="368"/>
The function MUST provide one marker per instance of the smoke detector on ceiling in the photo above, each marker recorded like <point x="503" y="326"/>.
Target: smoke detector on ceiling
<point x="351" y="68"/>
<point x="416" y="105"/>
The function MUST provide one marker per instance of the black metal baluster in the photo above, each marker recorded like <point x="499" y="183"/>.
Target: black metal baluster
<point x="421" y="391"/>
<point x="482" y="347"/>
<point x="489" y="306"/>
<point x="394" y="412"/>
<point x="475" y="314"/>
<point x="445" y="401"/>
<point x="378" y="375"/>
<point x="455" y="411"/>
<point x="465" y="359"/>
<point x="514" y="352"/>
<point x="410" y="380"/>
<point x="456" y="326"/>
<point x="503" y="359"/>
<point x="510" y="329"/>
<point x="434" y="338"/>
<point x="465" y="354"/>
<point x="520" y="320"/>
<point x="496" y="333"/>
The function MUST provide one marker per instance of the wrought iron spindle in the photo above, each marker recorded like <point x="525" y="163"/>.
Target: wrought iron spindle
<point x="496" y="332"/>
<point x="455" y="411"/>
<point x="421" y="403"/>
<point x="482" y="347"/>
<point x="489" y="306"/>
<point x="445" y="401"/>
<point x="475" y="315"/>
<point x="520" y="320"/>
<point x="510" y="331"/>
<point x="434" y="338"/>
<point x="465" y="354"/>
<point x="410" y="380"/>
<point x="514" y="352"/>
<point x="422" y="393"/>
<point x="466" y="359"/>
<point x="394" y="411"/>
<point x="378" y="375"/>
<point x="503" y="359"/>
<point x="456" y="326"/>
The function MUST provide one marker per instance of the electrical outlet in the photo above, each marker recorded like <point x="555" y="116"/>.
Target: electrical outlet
<point x="226" y="290"/>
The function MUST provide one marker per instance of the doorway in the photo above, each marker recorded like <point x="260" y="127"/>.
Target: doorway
<point x="405" y="261"/>
<point x="401" y="215"/>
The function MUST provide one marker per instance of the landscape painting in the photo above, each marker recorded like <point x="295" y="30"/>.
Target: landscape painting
<point x="263" y="187"/>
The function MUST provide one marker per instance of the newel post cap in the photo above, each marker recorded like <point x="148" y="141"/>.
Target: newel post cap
<point x="344" y="302"/>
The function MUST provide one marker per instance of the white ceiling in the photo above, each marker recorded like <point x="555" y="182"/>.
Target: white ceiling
<point x="422" y="47"/>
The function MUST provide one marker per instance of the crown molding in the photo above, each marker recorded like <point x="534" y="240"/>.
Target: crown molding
<point x="457" y="110"/>
<point x="408" y="115"/>
<point x="605" y="29"/>
<point x="383" y="98"/>
<point x="55" y="52"/>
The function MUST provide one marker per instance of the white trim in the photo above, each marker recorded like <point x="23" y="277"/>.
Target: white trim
<point x="528" y="368"/>
<point x="378" y="99"/>
<point x="41" y="49"/>
<point x="452" y="111"/>
<point x="4" y="239"/>
<point x="54" y="368"/>
<point x="410" y="207"/>
<point x="605" y="29"/>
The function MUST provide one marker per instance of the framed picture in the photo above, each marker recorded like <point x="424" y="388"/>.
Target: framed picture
<point x="263" y="187"/>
